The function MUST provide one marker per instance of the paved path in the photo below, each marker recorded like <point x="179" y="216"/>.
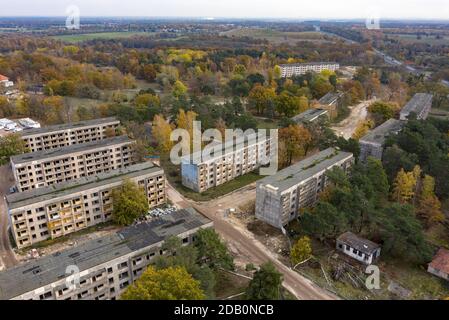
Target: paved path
<point x="347" y="127"/>
<point x="7" y="256"/>
<point x="244" y="242"/>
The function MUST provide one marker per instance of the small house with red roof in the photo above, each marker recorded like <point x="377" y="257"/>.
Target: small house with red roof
<point x="5" y="82"/>
<point x="440" y="264"/>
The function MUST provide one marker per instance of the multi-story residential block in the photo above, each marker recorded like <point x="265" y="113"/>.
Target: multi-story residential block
<point x="280" y="197"/>
<point x="43" y="168"/>
<point x="420" y="105"/>
<point x="372" y="144"/>
<point x="106" y="265"/>
<point x="331" y="102"/>
<point x="60" y="209"/>
<point x="62" y="135"/>
<point x="297" y="69"/>
<point x="226" y="165"/>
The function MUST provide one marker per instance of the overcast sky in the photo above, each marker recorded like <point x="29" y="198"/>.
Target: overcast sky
<point x="423" y="9"/>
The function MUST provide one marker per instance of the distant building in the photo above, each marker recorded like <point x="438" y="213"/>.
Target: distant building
<point x="240" y="159"/>
<point x="331" y="101"/>
<point x="62" y="135"/>
<point x="7" y="125"/>
<point x="5" y="82"/>
<point x="361" y="249"/>
<point x="372" y="144"/>
<point x="47" y="167"/>
<point x="57" y="210"/>
<point x="310" y="116"/>
<point x="280" y="197"/>
<point x="107" y="265"/>
<point x="440" y="264"/>
<point x="297" y="69"/>
<point x="28" y="123"/>
<point x="420" y="104"/>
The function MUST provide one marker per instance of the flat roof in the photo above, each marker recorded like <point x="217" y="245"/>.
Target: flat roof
<point x="330" y="98"/>
<point x="358" y="243"/>
<point x="306" y="64"/>
<point x="304" y="169"/>
<point x="20" y="199"/>
<point x="309" y="115"/>
<point x="248" y="141"/>
<point x="74" y="148"/>
<point x="49" y="269"/>
<point x="379" y="134"/>
<point x="417" y="103"/>
<point x="69" y="126"/>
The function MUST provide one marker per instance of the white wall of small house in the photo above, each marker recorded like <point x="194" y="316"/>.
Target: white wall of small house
<point x="350" y="252"/>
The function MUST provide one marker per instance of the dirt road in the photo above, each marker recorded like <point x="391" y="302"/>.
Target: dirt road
<point x="245" y="244"/>
<point x="347" y="127"/>
<point x="7" y="256"/>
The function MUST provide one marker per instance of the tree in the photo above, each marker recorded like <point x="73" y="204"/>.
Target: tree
<point x="129" y="202"/>
<point x="179" y="89"/>
<point x="293" y="142"/>
<point x="161" y="132"/>
<point x="266" y="284"/>
<point x="362" y="129"/>
<point x="185" y="121"/>
<point x="287" y="104"/>
<point x="324" y="221"/>
<point x="260" y="98"/>
<point x="187" y="256"/>
<point x="301" y="250"/>
<point x="172" y="283"/>
<point x="11" y="145"/>
<point x="212" y="250"/>
<point x="402" y="234"/>
<point x="404" y="187"/>
<point x="429" y="208"/>
<point x="382" y="111"/>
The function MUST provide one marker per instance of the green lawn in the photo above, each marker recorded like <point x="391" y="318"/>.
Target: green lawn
<point x="74" y="38"/>
<point x="275" y="36"/>
<point x="173" y="174"/>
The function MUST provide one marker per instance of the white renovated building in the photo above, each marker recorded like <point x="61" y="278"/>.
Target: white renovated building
<point x="297" y="69"/>
<point x="363" y="250"/>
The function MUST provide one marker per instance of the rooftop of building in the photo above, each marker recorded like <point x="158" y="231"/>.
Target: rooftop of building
<point x="307" y="64"/>
<point x="69" y="126"/>
<point x="309" y="115"/>
<point x="358" y="243"/>
<point x="230" y="145"/>
<point x="419" y="101"/>
<point x="49" y="269"/>
<point x="71" y="149"/>
<point x="330" y="98"/>
<point x="3" y="78"/>
<point x="20" y="199"/>
<point x="379" y="134"/>
<point x="441" y="261"/>
<point x="304" y="169"/>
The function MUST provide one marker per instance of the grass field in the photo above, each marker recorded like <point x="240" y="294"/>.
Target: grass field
<point x="412" y="38"/>
<point x="276" y="36"/>
<point x="104" y="35"/>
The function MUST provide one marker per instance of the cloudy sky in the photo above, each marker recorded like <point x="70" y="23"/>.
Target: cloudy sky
<point x="423" y="9"/>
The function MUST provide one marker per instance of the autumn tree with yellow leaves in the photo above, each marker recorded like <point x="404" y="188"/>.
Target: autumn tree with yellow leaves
<point x="404" y="187"/>
<point x="161" y="132"/>
<point x="172" y="283"/>
<point x="429" y="207"/>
